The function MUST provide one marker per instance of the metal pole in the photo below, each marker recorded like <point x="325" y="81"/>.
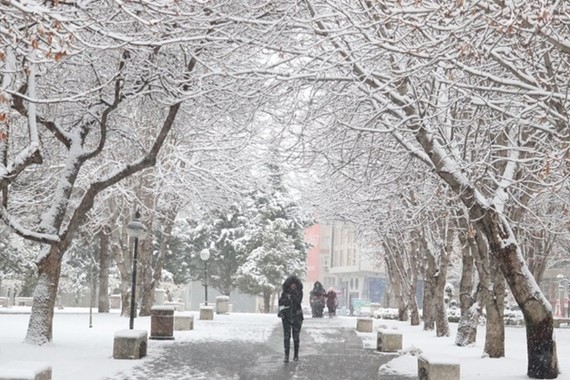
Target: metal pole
<point x="206" y="283"/>
<point x="133" y="286"/>
<point x="561" y="300"/>
<point x="91" y="302"/>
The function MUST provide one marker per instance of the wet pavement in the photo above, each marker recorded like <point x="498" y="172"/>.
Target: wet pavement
<point x="327" y="352"/>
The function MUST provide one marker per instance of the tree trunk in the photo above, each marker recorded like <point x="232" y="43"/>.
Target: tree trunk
<point x="467" y="327"/>
<point x="468" y="302"/>
<point x="123" y="259"/>
<point x="104" y="258"/>
<point x="414" y="312"/>
<point x="146" y="285"/>
<point x="155" y="273"/>
<point x="495" y="334"/>
<point x="441" y="322"/>
<point x="428" y="311"/>
<point x="490" y="294"/>
<point x="395" y="284"/>
<point x="542" y="360"/>
<point x="438" y="277"/>
<point x="40" y="326"/>
<point x="267" y="300"/>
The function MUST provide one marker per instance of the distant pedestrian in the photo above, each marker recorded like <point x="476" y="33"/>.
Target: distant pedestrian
<point x="291" y="314"/>
<point x="331" y="302"/>
<point x="317" y="299"/>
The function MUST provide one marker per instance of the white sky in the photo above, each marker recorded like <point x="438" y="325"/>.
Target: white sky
<point x="80" y="352"/>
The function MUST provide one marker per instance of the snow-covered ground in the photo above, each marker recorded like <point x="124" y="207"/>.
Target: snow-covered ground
<point x="80" y="352"/>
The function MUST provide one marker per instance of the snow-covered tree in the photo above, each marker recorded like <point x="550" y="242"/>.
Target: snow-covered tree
<point x="474" y="90"/>
<point x="274" y="243"/>
<point x="221" y="232"/>
<point x="89" y="92"/>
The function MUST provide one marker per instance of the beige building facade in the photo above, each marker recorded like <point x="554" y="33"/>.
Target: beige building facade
<point x="355" y="273"/>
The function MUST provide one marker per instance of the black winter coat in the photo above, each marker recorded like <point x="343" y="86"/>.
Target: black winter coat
<point x="290" y="299"/>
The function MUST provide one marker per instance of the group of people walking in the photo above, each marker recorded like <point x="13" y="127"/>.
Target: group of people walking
<point x="291" y="310"/>
<point x="320" y="298"/>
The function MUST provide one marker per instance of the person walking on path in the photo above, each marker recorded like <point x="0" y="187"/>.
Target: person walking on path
<point x="317" y="299"/>
<point x="291" y="314"/>
<point x="331" y="302"/>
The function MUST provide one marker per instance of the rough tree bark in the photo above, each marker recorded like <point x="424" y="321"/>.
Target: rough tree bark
<point x="428" y="310"/>
<point x="467" y="326"/>
<point x="396" y="285"/>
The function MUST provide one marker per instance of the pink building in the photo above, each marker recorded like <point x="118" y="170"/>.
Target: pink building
<point x="312" y="237"/>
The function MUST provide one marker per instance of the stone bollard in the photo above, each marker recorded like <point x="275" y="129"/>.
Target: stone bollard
<point x="374" y="307"/>
<point x="430" y="368"/>
<point x="222" y="305"/>
<point x="130" y="344"/>
<point x="183" y="321"/>
<point x="159" y="297"/>
<point x="364" y="324"/>
<point x="162" y="322"/>
<point x="388" y="341"/>
<point x="115" y="301"/>
<point x="206" y="313"/>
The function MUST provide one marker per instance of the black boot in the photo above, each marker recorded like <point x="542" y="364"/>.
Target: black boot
<point x="286" y="358"/>
<point x="296" y="351"/>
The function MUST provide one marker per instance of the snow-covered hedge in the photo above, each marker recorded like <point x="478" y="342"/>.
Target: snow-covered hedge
<point x="386" y="314"/>
<point x="513" y="317"/>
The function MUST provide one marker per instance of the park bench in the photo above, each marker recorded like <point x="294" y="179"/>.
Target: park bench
<point x="431" y="368"/>
<point x="558" y="321"/>
<point x="22" y="370"/>
<point x="130" y="344"/>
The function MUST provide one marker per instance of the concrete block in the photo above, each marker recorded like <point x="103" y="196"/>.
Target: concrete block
<point x="222" y="305"/>
<point x="130" y="344"/>
<point x="430" y="368"/>
<point x="389" y="341"/>
<point x="22" y="370"/>
<point x="207" y="313"/>
<point x="115" y="301"/>
<point x="364" y="324"/>
<point x="183" y="322"/>
<point x="162" y="322"/>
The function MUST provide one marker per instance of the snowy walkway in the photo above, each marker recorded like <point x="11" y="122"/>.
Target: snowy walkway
<point x="244" y="345"/>
<point x="329" y="350"/>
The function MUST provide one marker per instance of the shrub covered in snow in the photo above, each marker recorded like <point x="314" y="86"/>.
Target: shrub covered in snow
<point x="453" y="314"/>
<point x="513" y="317"/>
<point x="386" y="314"/>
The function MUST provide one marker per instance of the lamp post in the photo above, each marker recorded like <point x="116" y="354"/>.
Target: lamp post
<point x="136" y="230"/>
<point x="205" y="255"/>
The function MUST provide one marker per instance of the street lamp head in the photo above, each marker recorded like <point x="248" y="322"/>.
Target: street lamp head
<point x="205" y="254"/>
<point x="559" y="275"/>
<point x="135" y="228"/>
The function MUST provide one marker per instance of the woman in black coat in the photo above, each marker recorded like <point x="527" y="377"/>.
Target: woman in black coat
<point x="291" y="314"/>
